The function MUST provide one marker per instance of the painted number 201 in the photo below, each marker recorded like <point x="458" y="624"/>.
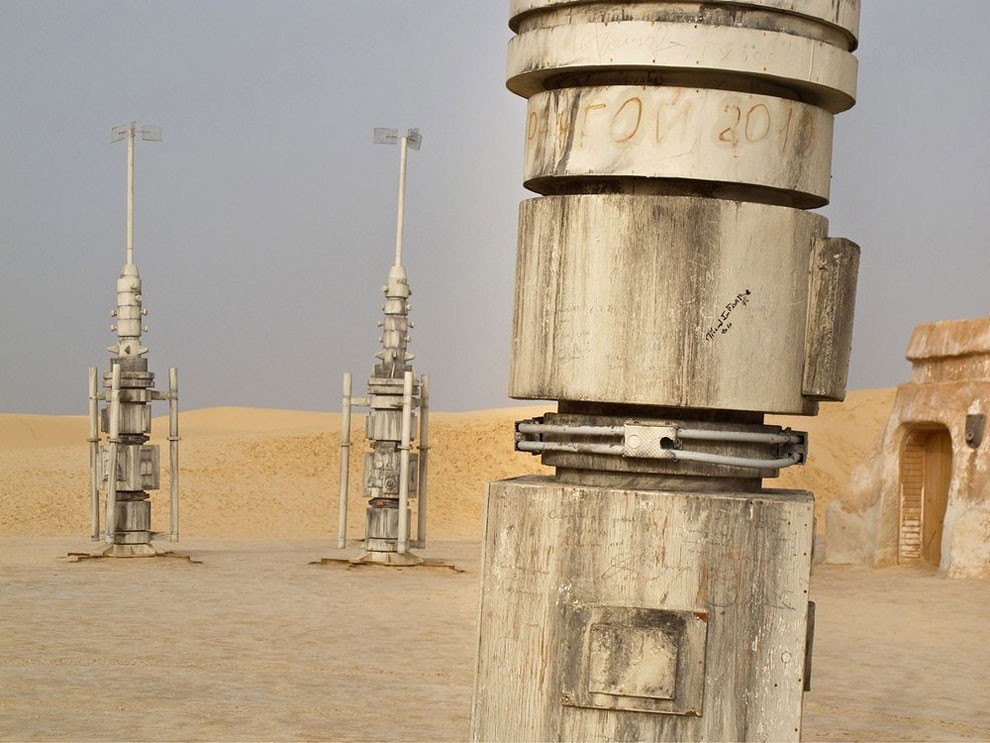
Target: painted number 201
<point x="753" y="124"/>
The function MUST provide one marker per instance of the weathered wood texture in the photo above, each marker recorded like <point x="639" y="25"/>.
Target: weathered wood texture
<point x="834" y="269"/>
<point x="781" y="146"/>
<point x="675" y="301"/>
<point x="594" y="604"/>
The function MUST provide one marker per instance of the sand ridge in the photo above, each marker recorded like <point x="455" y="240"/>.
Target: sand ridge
<point x="259" y="473"/>
<point x="247" y="472"/>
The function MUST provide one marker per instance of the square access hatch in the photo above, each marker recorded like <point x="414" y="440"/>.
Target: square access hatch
<point x="636" y="659"/>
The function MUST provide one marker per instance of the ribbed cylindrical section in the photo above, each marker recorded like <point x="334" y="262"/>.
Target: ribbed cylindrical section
<point x="836" y="21"/>
<point x="737" y="46"/>
<point x="676" y="145"/>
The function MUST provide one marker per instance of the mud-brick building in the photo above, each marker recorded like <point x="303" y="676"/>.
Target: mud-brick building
<point x="931" y="483"/>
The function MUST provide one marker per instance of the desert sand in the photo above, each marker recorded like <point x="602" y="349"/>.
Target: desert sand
<point x="253" y="639"/>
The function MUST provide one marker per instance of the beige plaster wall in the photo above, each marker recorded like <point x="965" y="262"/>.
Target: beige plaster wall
<point x="950" y="380"/>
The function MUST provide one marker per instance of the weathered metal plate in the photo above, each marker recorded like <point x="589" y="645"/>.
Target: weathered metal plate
<point x="636" y="658"/>
<point x="137" y="466"/>
<point x="648" y="441"/>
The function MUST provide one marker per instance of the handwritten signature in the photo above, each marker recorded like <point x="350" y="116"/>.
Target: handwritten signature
<point x="723" y="324"/>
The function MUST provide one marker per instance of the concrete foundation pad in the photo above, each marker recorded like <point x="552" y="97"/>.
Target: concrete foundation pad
<point x="130" y="550"/>
<point x="388" y="560"/>
<point x="127" y="550"/>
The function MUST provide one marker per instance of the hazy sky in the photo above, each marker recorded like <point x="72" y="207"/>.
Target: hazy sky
<point x="265" y="221"/>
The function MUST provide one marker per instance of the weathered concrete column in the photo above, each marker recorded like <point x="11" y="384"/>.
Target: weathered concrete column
<point x="671" y="289"/>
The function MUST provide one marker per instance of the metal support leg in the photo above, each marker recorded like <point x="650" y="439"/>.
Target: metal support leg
<point x="173" y="450"/>
<point x="345" y="455"/>
<point x="94" y="455"/>
<point x="111" y="518"/>
<point x="403" y="542"/>
<point x="424" y="452"/>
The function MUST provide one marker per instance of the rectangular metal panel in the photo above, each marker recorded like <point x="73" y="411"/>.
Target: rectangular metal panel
<point x="137" y="467"/>
<point x="386" y="136"/>
<point x="151" y="133"/>
<point x="635" y="658"/>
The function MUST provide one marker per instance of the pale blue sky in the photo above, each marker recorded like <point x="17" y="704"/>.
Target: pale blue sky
<point x="265" y="220"/>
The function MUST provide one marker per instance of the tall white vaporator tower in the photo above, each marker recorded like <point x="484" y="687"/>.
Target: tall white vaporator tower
<point x="122" y="464"/>
<point x="393" y="474"/>
<point x="671" y="290"/>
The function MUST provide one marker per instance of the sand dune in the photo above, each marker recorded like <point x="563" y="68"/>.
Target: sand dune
<point x="258" y="473"/>
<point x="840" y="438"/>
<point x="252" y="472"/>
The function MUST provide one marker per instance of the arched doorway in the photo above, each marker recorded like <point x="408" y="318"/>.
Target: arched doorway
<point x="925" y="474"/>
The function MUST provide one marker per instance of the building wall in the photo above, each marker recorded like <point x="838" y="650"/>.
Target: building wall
<point x="950" y="380"/>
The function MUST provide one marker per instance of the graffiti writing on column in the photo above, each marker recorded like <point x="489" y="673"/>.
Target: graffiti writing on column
<point x="669" y="121"/>
<point x="743" y="125"/>
<point x="588" y="121"/>
<point x="724" y="325"/>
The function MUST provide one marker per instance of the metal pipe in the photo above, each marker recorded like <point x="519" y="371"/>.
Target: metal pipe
<point x="173" y="450"/>
<point x="574" y="430"/>
<point x="114" y="435"/>
<point x="345" y="454"/>
<point x="424" y="453"/>
<point x="570" y="446"/>
<point x="94" y="455"/>
<point x="743" y="436"/>
<point x="403" y="542"/>
<point x="403" y="146"/>
<point x="746" y="462"/>
<point x="131" y="135"/>
<point x="671" y="454"/>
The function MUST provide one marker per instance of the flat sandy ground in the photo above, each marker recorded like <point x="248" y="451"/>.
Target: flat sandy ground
<point x="254" y="642"/>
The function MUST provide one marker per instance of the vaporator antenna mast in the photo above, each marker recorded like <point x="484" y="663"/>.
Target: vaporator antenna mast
<point x="412" y="139"/>
<point x="393" y="474"/>
<point x="149" y="133"/>
<point x="126" y="466"/>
